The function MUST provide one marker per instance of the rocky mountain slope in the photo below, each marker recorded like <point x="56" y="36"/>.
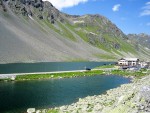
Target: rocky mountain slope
<point x="142" y="39"/>
<point x="35" y="31"/>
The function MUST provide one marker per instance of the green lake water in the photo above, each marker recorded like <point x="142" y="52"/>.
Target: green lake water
<point x="16" y="97"/>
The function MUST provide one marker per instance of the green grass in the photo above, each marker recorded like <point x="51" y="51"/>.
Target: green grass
<point x="79" y="32"/>
<point x="128" y="48"/>
<point x="62" y="30"/>
<point x="125" y="46"/>
<point x="66" y="32"/>
<point x="52" y="111"/>
<point x="82" y="35"/>
<point x="91" y="28"/>
<point x="137" y="74"/>
<point x="110" y="38"/>
<point x="108" y="46"/>
<point x="86" y="39"/>
<point x="117" y="52"/>
<point x="58" y="75"/>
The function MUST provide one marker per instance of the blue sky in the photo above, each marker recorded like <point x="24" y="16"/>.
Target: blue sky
<point x="131" y="16"/>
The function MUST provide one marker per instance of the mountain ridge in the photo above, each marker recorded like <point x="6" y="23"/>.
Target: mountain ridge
<point x="35" y="31"/>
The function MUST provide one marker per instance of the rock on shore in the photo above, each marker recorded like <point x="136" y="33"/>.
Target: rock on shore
<point x="128" y="98"/>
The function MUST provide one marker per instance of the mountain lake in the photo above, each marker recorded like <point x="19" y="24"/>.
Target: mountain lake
<point x="17" y="97"/>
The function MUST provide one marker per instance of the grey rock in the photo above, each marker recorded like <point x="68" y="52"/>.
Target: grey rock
<point x="145" y="93"/>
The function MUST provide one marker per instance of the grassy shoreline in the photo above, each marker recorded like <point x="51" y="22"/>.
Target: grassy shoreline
<point x="58" y="75"/>
<point x="97" y="71"/>
<point x="100" y="70"/>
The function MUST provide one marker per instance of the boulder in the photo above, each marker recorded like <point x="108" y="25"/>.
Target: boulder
<point x="30" y="110"/>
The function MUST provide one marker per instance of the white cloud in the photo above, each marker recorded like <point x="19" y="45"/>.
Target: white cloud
<point x="146" y="7"/>
<point x="116" y="7"/>
<point x="148" y="24"/>
<point x="145" y="13"/>
<point x="146" y="10"/>
<point x="60" y="4"/>
<point x="148" y="3"/>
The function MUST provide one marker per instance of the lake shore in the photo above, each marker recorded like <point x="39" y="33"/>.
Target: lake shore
<point x="50" y="75"/>
<point x="128" y="98"/>
<point x="70" y="74"/>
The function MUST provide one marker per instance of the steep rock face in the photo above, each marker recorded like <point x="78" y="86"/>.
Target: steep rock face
<point x="37" y="8"/>
<point x="33" y="30"/>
